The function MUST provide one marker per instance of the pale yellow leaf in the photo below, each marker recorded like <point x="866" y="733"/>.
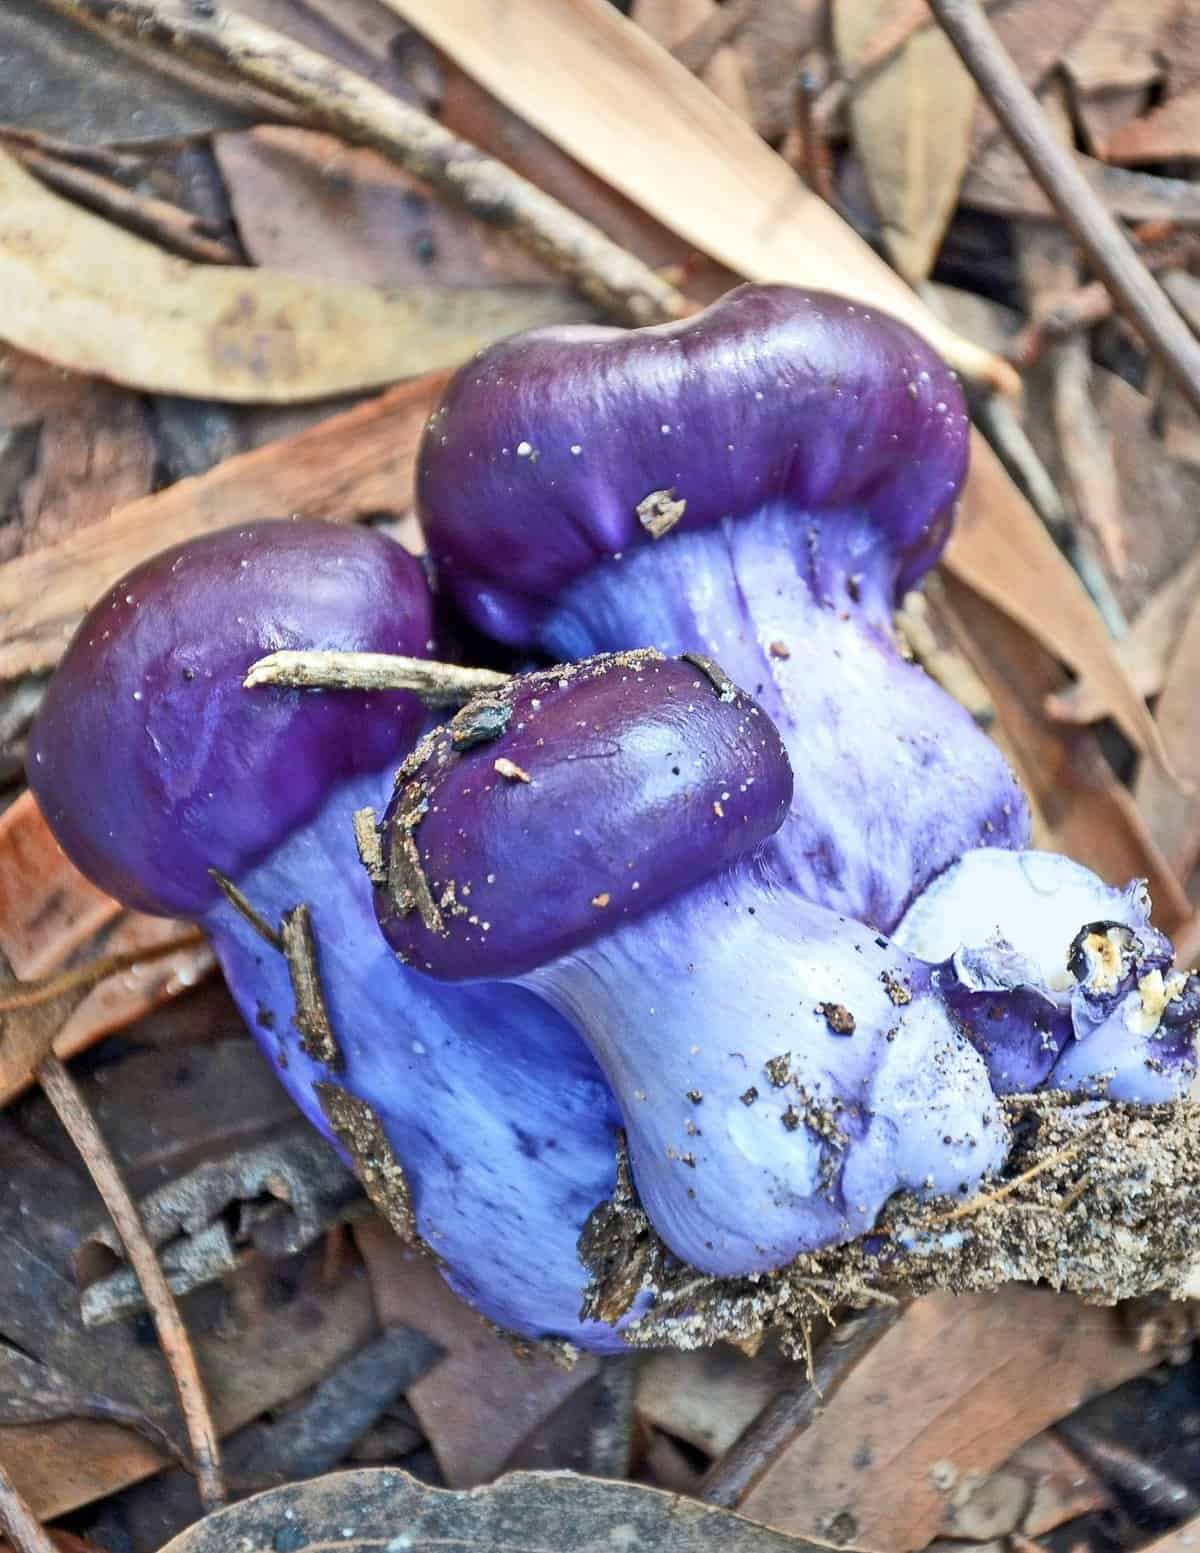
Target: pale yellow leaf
<point x="88" y="295"/>
<point x="911" y="120"/>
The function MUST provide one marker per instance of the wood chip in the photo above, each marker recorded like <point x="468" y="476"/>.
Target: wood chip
<point x="317" y="1038"/>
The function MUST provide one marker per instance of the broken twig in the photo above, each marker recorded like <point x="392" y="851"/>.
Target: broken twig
<point x="72" y="1111"/>
<point x="437" y="684"/>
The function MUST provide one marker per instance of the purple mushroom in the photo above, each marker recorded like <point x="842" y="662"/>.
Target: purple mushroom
<point x="154" y="767"/>
<point x="781" y="1070"/>
<point x="1061" y="980"/>
<point x="759" y="483"/>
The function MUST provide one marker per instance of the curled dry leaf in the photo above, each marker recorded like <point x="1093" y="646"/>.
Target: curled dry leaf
<point x="912" y="123"/>
<point x="526" y="1512"/>
<point x="88" y="295"/>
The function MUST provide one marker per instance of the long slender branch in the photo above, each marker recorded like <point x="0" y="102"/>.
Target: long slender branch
<point x="72" y="1110"/>
<point x="1053" y="167"/>
<point x="437" y="684"/>
<point x="347" y="103"/>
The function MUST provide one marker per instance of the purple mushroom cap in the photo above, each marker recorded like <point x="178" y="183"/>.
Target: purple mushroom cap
<point x="611" y="786"/>
<point x="533" y="468"/>
<point x="759" y="484"/>
<point x="151" y="762"/>
<point x="781" y="1071"/>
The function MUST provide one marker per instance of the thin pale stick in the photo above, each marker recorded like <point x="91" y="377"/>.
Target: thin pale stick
<point x="437" y="684"/>
<point x="72" y="1110"/>
<point x="355" y="108"/>
<point x="1113" y="256"/>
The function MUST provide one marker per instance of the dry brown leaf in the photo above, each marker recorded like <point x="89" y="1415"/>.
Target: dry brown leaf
<point x="264" y="1355"/>
<point x="708" y="1396"/>
<point x="1119" y="47"/>
<point x="1174" y="816"/>
<point x="308" y="203"/>
<point x="624" y="107"/>
<point x="480" y="1401"/>
<point x="1002" y="551"/>
<point x="1040" y="1486"/>
<point x="93" y="456"/>
<point x="1036" y="36"/>
<point x="1170" y="133"/>
<point x="349" y="466"/>
<point x="998" y="180"/>
<point x="1144" y="652"/>
<point x="370" y="1511"/>
<point x="51" y="915"/>
<point x="1087" y="812"/>
<point x="670" y="21"/>
<point x="912" y="123"/>
<point x="950" y="1391"/>
<point x="90" y="296"/>
<point x="1182" y="1539"/>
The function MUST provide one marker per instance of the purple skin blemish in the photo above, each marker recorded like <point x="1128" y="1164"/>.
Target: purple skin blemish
<point x="819" y="450"/>
<point x="781" y="1070"/>
<point x="153" y="764"/>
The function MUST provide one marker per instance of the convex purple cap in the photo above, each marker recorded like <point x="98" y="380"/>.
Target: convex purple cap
<point x="539" y="461"/>
<point x="596" y="833"/>
<point x="216" y="777"/>
<point x="568" y="801"/>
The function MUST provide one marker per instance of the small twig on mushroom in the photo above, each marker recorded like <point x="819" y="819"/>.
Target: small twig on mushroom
<point x="270" y="935"/>
<point x="31" y="994"/>
<point x="18" y="1522"/>
<point x="437" y="684"/>
<point x="986" y="1200"/>
<point x="1053" y="166"/>
<point x="792" y="1410"/>
<point x="166" y="224"/>
<point x="312" y="1016"/>
<point x="73" y="1112"/>
<point x="353" y="107"/>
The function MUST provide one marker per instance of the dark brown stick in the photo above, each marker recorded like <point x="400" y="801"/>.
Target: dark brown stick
<point x="1054" y="168"/>
<point x="163" y="223"/>
<point x="353" y="107"/>
<point x="72" y="1111"/>
<point x="793" y="1410"/>
<point x="18" y="1522"/>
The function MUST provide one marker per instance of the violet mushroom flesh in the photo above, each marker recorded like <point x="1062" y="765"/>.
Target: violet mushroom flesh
<point x="781" y="1070"/>
<point x="154" y="766"/>
<point x="759" y="483"/>
<point x="1062" y="980"/>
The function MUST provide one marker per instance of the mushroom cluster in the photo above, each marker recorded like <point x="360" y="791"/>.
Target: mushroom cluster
<point x="734" y="878"/>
